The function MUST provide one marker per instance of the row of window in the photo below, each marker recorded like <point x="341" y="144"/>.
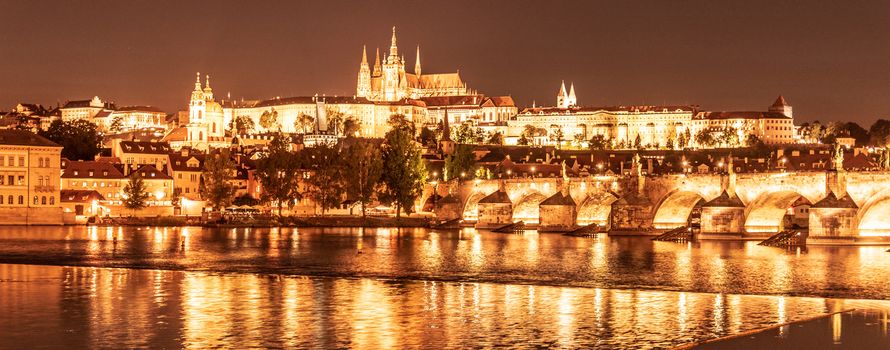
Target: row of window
<point x="21" y="200"/>
<point x="10" y="180"/>
<point x="10" y="161"/>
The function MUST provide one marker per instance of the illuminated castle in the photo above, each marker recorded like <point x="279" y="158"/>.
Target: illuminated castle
<point x="389" y="81"/>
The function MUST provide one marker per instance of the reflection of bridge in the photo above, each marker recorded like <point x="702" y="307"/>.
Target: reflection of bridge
<point x="833" y="204"/>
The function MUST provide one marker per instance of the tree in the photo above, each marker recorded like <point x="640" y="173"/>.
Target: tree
<point x="461" y="162"/>
<point x="403" y="170"/>
<point x="558" y="136"/>
<point x="683" y="139"/>
<point x="351" y="126"/>
<point x="427" y="137"/>
<point x="496" y="138"/>
<point x="466" y="133"/>
<point x="242" y="124"/>
<point x="117" y="124"/>
<point x="217" y="177"/>
<point x="364" y="165"/>
<point x="269" y="120"/>
<point x="669" y="144"/>
<point x="80" y="138"/>
<point x="704" y="138"/>
<point x="335" y="119"/>
<point x="879" y="133"/>
<point x="638" y="142"/>
<point x="135" y="193"/>
<point x="304" y="122"/>
<point x="401" y="122"/>
<point x="245" y="199"/>
<point x="598" y="142"/>
<point x="729" y="137"/>
<point x="523" y="140"/>
<point x="279" y="173"/>
<point x="326" y="179"/>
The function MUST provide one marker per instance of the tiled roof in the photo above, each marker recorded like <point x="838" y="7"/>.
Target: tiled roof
<point x="149" y="172"/>
<point x="780" y="102"/>
<point x="559" y="199"/>
<point x="80" y="196"/>
<point x="740" y="115"/>
<point x="24" y="138"/>
<point x="140" y="109"/>
<point x="145" y="147"/>
<point x="90" y="170"/>
<point x="831" y="201"/>
<point x="180" y="163"/>
<point x="496" y="197"/>
<point x="724" y="200"/>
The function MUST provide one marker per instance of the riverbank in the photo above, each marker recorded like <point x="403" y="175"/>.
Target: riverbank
<point x="268" y="222"/>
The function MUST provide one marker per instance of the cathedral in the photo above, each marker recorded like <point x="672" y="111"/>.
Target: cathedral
<point x="390" y="82"/>
<point x="205" y="127"/>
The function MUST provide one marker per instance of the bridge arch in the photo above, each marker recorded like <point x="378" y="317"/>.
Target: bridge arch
<point x="471" y="207"/>
<point x="766" y="213"/>
<point x="596" y="208"/>
<point x="873" y="217"/>
<point x="528" y="208"/>
<point x="675" y="208"/>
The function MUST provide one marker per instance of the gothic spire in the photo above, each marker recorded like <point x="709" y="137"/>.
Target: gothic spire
<point x="572" y="92"/>
<point x="562" y="89"/>
<point x="364" y="55"/>
<point x="417" y="63"/>
<point x="393" y="50"/>
<point x="377" y="63"/>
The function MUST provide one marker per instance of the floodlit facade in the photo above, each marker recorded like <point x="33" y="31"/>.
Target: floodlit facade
<point x="29" y="179"/>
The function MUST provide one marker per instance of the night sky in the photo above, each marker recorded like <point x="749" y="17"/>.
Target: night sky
<point x="831" y="60"/>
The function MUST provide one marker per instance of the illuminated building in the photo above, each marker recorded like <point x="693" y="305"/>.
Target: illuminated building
<point x="388" y="81"/>
<point x="29" y="179"/>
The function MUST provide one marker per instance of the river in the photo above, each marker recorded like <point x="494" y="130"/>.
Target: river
<point x="408" y="288"/>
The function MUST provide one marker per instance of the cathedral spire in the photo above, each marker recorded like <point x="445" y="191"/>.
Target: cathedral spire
<point x="393" y="49"/>
<point x="364" y="55"/>
<point x="573" y="101"/>
<point x="562" y="89"/>
<point x="198" y="81"/>
<point x="417" y="63"/>
<point x="377" y="68"/>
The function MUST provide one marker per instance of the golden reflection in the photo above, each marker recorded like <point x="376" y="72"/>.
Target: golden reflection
<point x="681" y="312"/>
<point x="718" y="314"/>
<point x="477" y="256"/>
<point x="567" y="316"/>
<point x="836" y="323"/>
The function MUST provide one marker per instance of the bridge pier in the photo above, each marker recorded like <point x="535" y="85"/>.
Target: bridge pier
<point x="724" y="215"/>
<point x="495" y="210"/>
<point x="558" y="213"/>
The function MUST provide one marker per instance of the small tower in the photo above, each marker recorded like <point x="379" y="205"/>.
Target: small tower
<point x="781" y="106"/>
<point x="377" y="70"/>
<point x="197" y="105"/>
<point x="363" y="87"/>
<point x="561" y="98"/>
<point x="446" y="146"/>
<point x="572" y="100"/>
<point x="417" y="63"/>
<point x="208" y="92"/>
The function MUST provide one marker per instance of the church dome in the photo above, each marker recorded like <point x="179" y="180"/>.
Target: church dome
<point x="214" y="107"/>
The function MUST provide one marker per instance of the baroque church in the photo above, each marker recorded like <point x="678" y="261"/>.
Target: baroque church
<point x="388" y="81"/>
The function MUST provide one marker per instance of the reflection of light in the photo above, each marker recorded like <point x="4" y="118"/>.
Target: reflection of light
<point x="681" y="312"/>
<point x="836" y="323"/>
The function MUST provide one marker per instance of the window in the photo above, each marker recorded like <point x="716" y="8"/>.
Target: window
<point x="10" y="199"/>
<point x="35" y="200"/>
<point x="43" y="200"/>
<point x="2" y="160"/>
<point x="1" y="199"/>
<point x="11" y="161"/>
<point x="52" y="200"/>
<point x="40" y="162"/>
<point x="21" y="180"/>
<point x="21" y="160"/>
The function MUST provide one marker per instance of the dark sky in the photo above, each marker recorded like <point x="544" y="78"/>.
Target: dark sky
<point x="831" y="59"/>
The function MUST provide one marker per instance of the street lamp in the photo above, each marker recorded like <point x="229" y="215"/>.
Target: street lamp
<point x="533" y="172"/>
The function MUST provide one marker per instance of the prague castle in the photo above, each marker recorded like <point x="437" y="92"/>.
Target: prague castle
<point x="389" y="81"/>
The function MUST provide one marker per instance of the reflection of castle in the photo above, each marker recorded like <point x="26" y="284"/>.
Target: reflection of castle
<point x="389" y="81"/>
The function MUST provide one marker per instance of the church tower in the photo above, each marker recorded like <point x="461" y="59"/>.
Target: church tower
<point x="364" y="76"/>
<point x="393" y="69"/>
<point x="197" y="108"/>
<point x="572" y="101"/>
<point x="781" y="106"/>
<point x="417" y="63"/>
<point x="561" y="98"/>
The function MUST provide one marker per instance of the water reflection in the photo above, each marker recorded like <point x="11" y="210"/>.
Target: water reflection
<point x="87" y="307"/>
<point x="468" y="255"/>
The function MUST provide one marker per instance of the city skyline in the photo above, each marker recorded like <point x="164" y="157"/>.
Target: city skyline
<point x="634" y="54"/>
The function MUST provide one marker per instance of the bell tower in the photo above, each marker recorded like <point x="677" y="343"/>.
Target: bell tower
<point x="363" y="88"/>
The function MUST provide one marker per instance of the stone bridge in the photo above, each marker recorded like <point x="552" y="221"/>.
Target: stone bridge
<point x="830" y="203"/>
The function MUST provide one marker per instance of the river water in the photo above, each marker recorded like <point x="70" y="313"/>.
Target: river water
<point x="409" y="288"/>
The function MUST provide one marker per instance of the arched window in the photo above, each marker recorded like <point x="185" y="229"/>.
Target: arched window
<point x="21" y="200"/>
<point x="200" y="136"/>
<point x="40" y="162"/>
<point x="200" y="115"/>
<point x="52" y="200"/>
<point x="36" y="200"/>
<point x="214" y="127"/>
<point x="43" y="200"/>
